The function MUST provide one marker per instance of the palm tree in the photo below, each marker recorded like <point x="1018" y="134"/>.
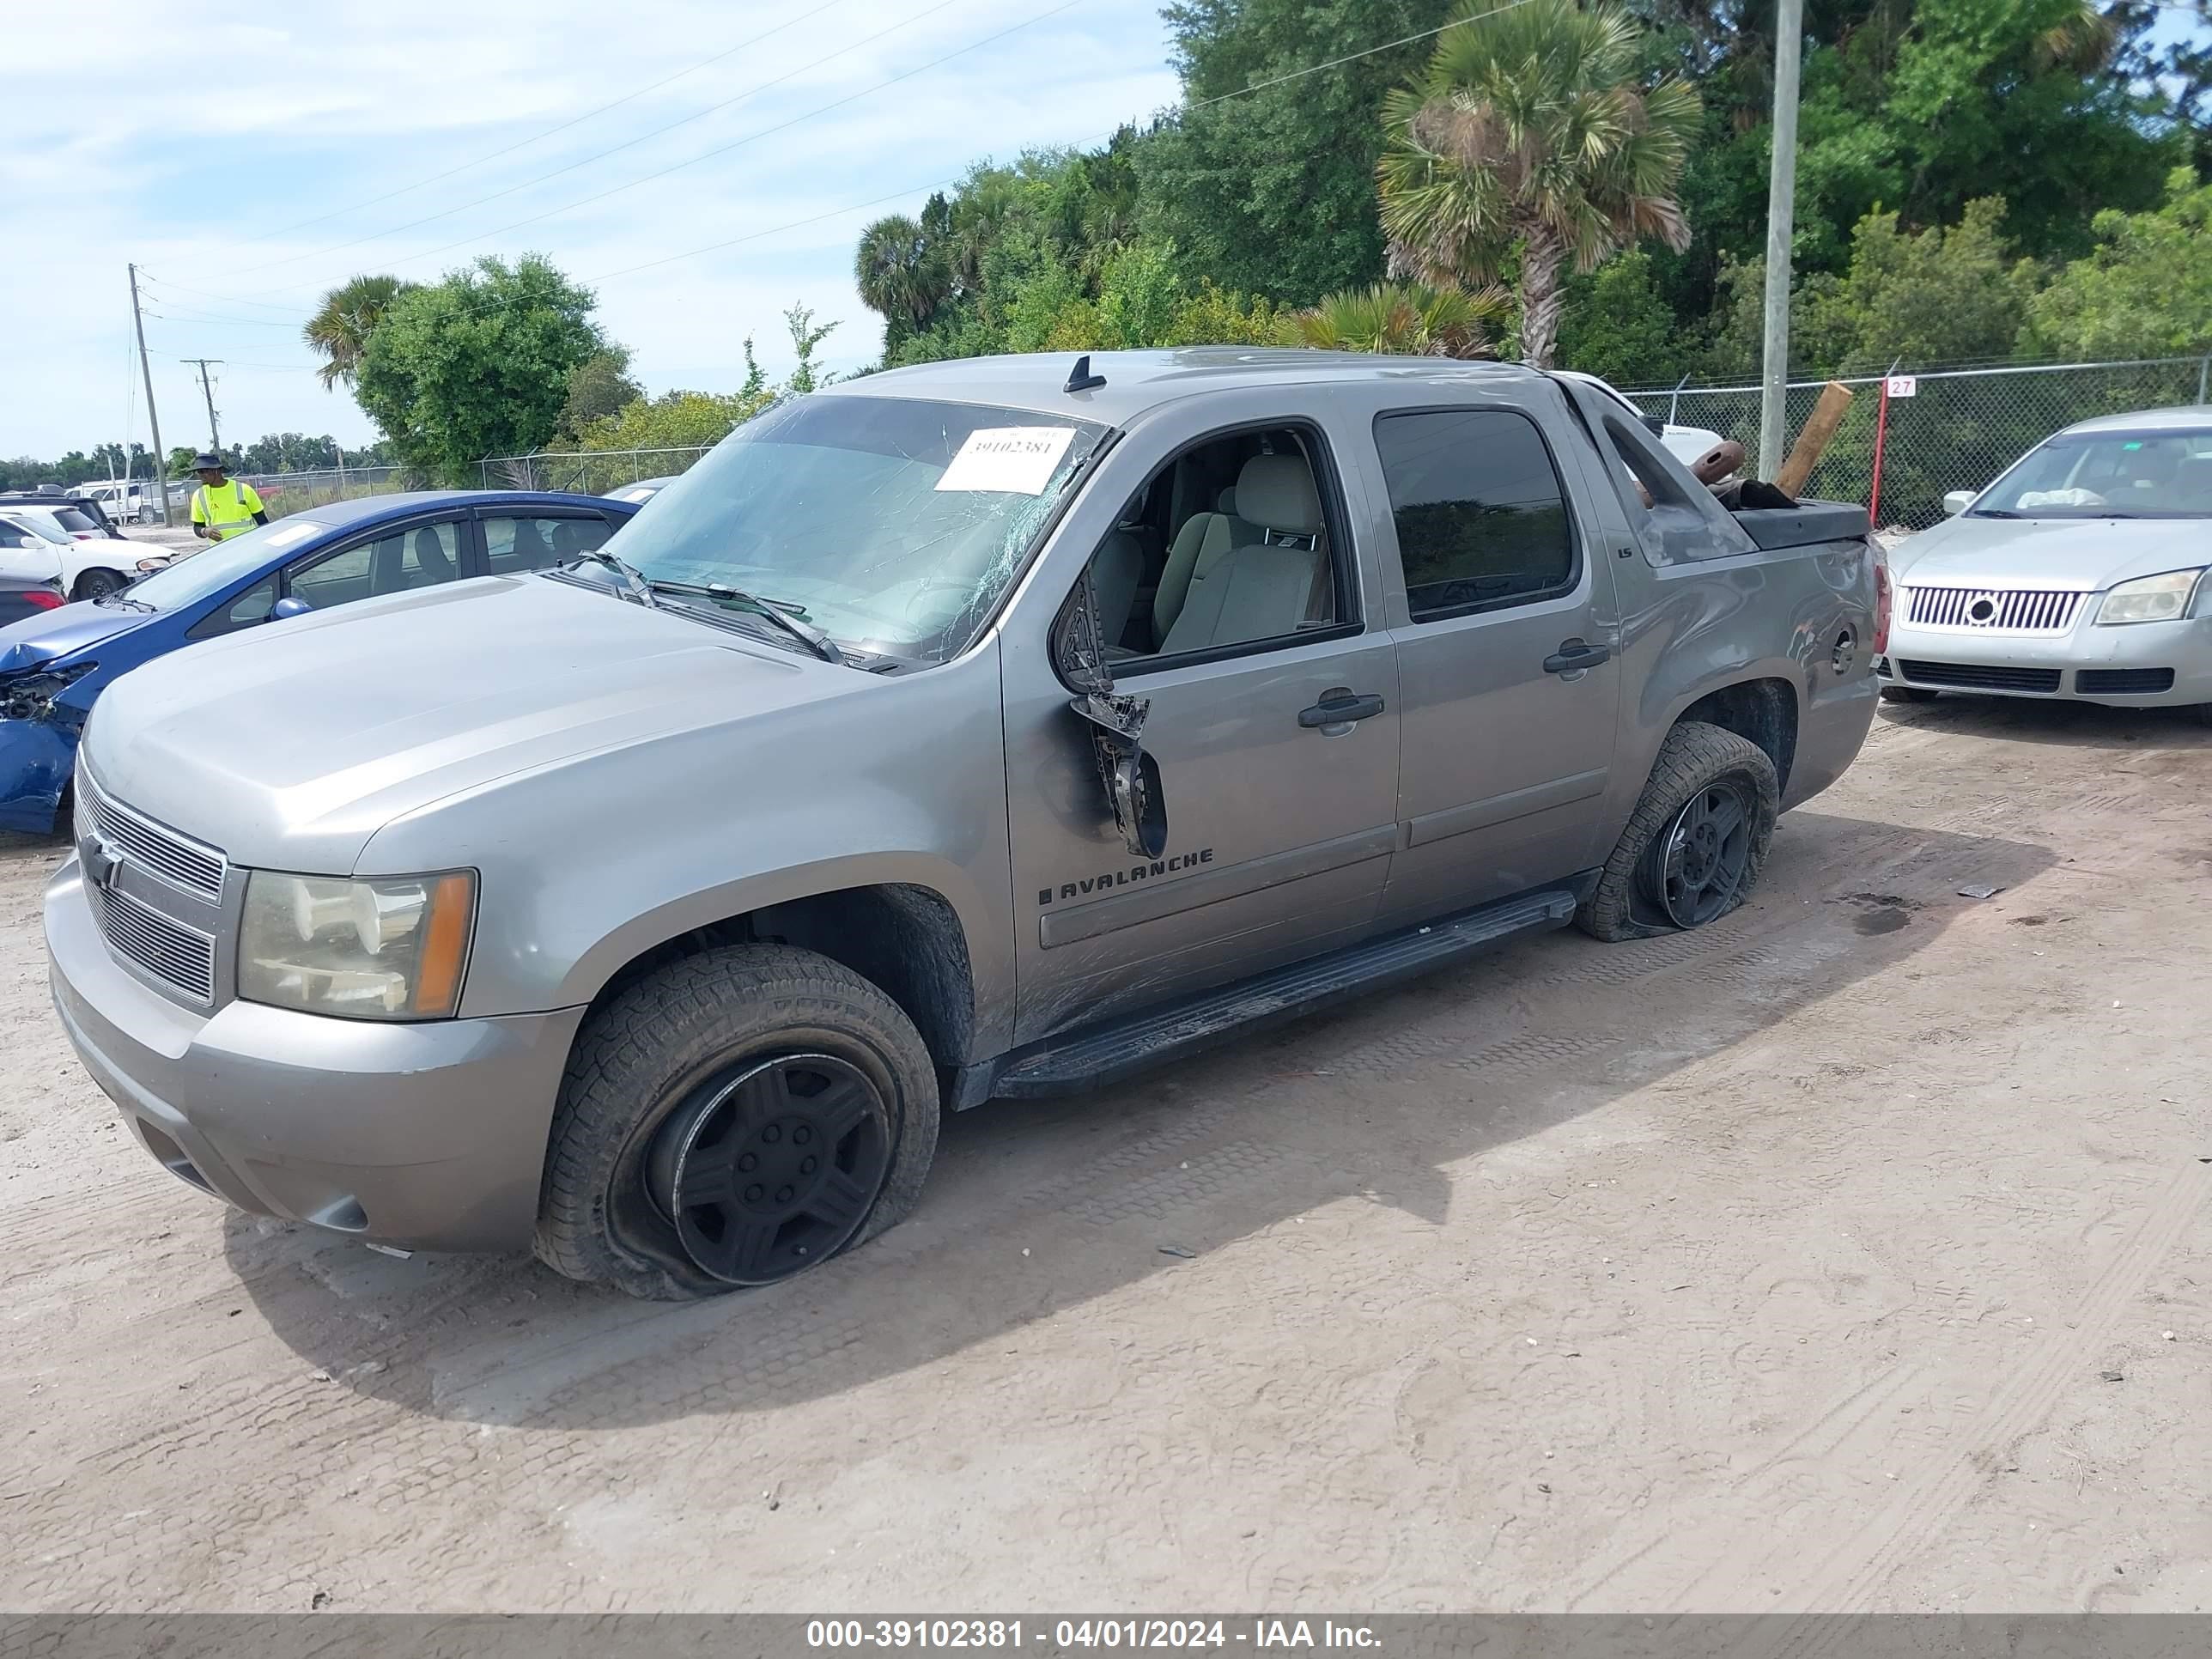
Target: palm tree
<point x="1528" y="126"/>
<point x="1405" y="318"/>
<point x="900" y="271"/>
<point x="340" y="330"/>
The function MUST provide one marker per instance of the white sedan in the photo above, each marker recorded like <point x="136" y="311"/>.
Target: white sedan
<point x="35" y="548"/>
<point x="2080" y="575"/>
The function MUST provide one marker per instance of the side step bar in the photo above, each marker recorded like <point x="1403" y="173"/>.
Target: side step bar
<point x="1107" y="1053"/>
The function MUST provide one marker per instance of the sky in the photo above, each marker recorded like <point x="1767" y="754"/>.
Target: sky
<point x="236" y="154"/>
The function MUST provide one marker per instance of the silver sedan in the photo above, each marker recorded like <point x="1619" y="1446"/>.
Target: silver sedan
<point x="2080" y="575"/>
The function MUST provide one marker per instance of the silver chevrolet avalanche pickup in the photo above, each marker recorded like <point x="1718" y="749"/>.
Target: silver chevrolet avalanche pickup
<point x="985" y="729"/>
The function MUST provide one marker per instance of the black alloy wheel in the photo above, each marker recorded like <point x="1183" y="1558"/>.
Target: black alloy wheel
<point x="773" y="1168"/>
<point x="1693" y="871"/>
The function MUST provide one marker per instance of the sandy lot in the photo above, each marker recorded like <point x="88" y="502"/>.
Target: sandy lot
<point x="1855" y="1253"/>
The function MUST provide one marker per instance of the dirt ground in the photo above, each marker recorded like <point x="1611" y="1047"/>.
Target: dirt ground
<point x="1853" y="1254"/>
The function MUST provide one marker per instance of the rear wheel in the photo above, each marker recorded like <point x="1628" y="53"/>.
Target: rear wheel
<point x="1908" y="694"/>
<point x="1696" y="842"/>
<point x="731" y="1119"/>
<point x="97" y="584"/>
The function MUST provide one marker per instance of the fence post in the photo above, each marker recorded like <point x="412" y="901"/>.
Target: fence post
<point x="2203" y="377"/>
<point x="1880" y="437"/>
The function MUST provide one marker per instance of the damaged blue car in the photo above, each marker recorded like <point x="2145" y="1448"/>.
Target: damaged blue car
<point x="54" y="664"/>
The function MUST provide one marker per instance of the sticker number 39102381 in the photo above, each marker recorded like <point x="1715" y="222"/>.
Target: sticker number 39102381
<point x="1014" y="460"/>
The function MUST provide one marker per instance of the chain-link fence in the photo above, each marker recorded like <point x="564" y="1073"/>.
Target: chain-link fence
<point x="284" y="493"/>
<point x="1957" y="428"/>
<point x="587" y="472"/>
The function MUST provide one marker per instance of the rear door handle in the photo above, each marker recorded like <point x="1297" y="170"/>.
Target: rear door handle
<point x="1574" y="655"/>
<point x="1340" y="706"/>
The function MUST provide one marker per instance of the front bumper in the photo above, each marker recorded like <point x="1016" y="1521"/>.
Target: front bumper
<point x="2124" y="665"/>
<point x="36" y="758"/>
<point x="427" y="1136"/>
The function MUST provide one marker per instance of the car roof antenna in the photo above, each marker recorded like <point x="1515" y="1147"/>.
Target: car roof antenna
<point x="1080" y="378"/>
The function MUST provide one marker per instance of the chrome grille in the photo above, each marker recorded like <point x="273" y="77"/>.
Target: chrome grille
<point x="1988" y="609"/>
<point x="177" y="955"/>
<point x="159" y="851"/>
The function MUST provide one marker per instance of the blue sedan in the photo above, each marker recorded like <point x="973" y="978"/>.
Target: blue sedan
<point x="52" y="665"/>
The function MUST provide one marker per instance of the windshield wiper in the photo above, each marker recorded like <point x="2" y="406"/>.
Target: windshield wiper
<point x="634" y="586"/>
<point x="1994" y="513"/>
<point x="120" y="599"/>
<point x="770" y="609"/>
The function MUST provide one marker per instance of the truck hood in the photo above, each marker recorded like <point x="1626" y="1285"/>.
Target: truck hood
<point x="2076" y="555"/>
<point x="289" y="745"/>
<point x="37" y="641"/>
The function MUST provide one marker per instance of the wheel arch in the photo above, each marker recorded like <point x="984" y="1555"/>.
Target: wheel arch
<point x="903" y="936"/>
<point x="1763" y="710"/>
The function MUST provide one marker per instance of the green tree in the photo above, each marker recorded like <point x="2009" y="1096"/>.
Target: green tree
<point x="598" y="386"/>
<point x="2146" y="289"/>
<point x="340" y="328"/>
<point x="1529" y="127"/>
<point x="1405" y="319"/>
<point x="1273" y="193"/>
<point x="807" y="336"/>
<point x="1616" y="325"/>
<point x="477" y="365"/>
<point x="674" y="420"/>
<point x="902" y="272"/>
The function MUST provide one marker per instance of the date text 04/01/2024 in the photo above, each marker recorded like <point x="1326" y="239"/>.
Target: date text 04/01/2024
<point x="1086" y="1633"/>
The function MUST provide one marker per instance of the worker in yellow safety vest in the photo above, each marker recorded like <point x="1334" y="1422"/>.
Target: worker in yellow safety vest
<point x="222" y="507"/>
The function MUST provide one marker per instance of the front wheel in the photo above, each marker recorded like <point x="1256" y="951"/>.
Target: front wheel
<point x="1696" y="842"/>
<point x="731" y="1119"/>
<point x="99" y="584"/>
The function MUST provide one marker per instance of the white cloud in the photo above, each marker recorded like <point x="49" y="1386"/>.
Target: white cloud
<point x="206" y="183"/>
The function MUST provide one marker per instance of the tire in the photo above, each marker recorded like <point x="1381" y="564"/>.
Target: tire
<point x="1697" y="763"/>
<point x="98" y="585"/>
<point x="1908" y="694"/>
<point x="706" y="1057"/>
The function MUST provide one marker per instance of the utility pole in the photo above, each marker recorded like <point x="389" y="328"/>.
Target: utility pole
<point x="214" y="433"/>
<point x="160" y="455"/>
<point x="1781" y="221"/>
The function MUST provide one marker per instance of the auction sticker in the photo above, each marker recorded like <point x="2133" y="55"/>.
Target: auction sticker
<point x="1012" y="460"/>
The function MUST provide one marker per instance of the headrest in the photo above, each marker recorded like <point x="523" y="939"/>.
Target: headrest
<point x="1226" y="501"/>
<point x="1276" y="492"/>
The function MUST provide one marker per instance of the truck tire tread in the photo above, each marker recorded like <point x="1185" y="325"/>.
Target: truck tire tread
<point x="1694" y="755"/>
<point x="685" y="1015"/>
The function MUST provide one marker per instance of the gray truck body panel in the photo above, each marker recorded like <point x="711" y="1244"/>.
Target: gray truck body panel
<point x="621" y="778"/>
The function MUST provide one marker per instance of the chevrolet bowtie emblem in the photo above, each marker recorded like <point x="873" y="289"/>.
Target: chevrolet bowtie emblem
<point x="101" y="863"/>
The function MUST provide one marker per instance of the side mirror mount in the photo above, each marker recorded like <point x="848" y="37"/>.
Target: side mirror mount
<point x="1129" y="777"/>
<point x="1655" y="425"/>
<point x="288" y="606"/>
<point x="1956" y="502"/>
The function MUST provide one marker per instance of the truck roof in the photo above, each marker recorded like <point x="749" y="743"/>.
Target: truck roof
<point x="1137" y="381"/>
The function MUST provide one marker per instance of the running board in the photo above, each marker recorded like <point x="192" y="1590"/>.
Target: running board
<point x="1087" y="1060"/>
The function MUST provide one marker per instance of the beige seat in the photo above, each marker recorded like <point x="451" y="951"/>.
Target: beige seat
<point x="1203" y="538"/>
<point x="1265" y="588"/>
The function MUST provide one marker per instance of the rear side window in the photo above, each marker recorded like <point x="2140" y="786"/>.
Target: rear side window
<point x="1481" y="516"/>
<point x="515" y="545"/>
<point x="74" y="519"/>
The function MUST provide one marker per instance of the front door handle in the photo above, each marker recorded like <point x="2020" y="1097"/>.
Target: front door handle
<point x="1574" y="655"/>
<point x="1340" y="706"/>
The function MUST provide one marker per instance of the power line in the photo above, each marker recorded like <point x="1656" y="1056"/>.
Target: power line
<point x="597" y="155"/>
<point x="574" y="121"/>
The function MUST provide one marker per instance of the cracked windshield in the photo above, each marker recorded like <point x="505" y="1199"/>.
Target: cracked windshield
<point x="893" y="525"/>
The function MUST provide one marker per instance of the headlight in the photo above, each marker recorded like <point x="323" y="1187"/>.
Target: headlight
<point x="2150" y="599"/>
<point x="392" y="947"/>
